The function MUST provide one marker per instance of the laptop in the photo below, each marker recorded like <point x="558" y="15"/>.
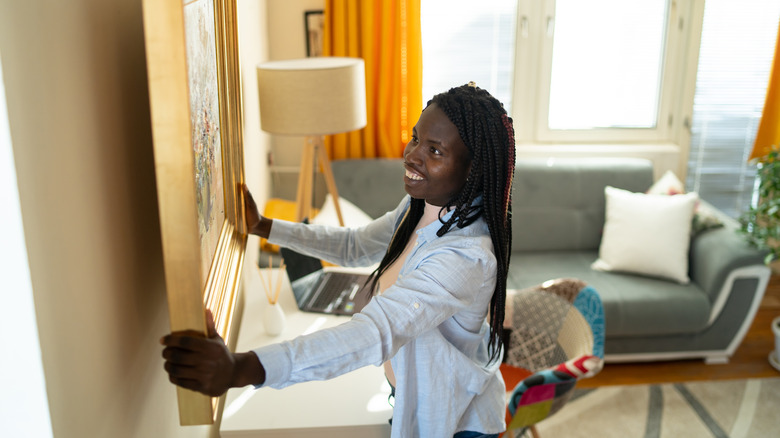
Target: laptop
<point x="325" y="291"/>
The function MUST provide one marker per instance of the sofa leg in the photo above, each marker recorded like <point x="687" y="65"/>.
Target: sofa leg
<point x="716" y="360"/>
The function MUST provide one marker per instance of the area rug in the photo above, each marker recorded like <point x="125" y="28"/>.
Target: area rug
<point x="728" y="408"/>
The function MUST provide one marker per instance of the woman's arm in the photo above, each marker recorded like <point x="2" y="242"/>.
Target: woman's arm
<point x="362" y="246"/>
<point x="350" y="247"/>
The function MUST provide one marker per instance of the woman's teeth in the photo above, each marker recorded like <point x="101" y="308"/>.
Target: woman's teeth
<point x="413" y="176"/>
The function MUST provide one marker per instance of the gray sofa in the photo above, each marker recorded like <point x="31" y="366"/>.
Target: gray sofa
<point x="558" y="218"/>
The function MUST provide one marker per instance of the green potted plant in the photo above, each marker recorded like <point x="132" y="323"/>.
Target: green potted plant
<point x="761" y="223"/>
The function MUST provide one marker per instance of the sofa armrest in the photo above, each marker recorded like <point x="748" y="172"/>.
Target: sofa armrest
<point x="720" y="256"/>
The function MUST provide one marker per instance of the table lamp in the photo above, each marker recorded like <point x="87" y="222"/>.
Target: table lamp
<point x="312" y="97"/>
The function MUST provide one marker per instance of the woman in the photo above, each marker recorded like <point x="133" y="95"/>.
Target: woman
<point x="435" y="320"/>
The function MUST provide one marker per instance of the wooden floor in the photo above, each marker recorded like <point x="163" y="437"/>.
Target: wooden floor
<point x="749" y="361"/>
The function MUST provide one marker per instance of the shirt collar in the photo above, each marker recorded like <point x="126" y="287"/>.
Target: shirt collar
<point x="428" y="232"/>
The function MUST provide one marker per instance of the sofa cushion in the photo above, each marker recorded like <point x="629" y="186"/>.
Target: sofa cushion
<point x="646" y="234"/>
<point x="633" y="305"/>
<point x="558" y="204"/>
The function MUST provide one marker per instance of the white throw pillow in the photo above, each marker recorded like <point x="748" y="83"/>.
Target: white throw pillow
<point x="703" y="217"/>
<point x="668" y="184"/>
<point x="353" y="216"/>
<point x="646" y="234"/>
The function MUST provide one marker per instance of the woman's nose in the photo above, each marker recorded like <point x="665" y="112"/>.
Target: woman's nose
<point x="411" y="152"/>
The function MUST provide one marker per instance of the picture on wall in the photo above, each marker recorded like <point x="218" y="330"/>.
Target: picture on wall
<point x="315" y="27"/>
<point x="204" y="118"/>
<point x="195" y="103"/>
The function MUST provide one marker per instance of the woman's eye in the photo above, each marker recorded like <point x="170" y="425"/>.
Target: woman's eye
<point x="435" y="151"/>
<point x="415" y="139"/>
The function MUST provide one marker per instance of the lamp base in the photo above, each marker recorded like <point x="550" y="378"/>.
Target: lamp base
<point x="313" y="150"/>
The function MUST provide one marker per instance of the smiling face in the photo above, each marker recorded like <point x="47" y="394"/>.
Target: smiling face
<point x="436" y="159"/>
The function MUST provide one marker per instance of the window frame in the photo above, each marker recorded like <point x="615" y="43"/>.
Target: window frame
<point x="533" y="65"/>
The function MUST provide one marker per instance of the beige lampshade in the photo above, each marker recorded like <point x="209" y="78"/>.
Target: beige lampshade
<point x="312" y="96"/>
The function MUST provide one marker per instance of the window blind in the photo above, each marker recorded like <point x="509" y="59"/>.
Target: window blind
<point x="737" y="45"/>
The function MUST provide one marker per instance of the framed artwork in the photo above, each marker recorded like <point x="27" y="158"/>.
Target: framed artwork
<point x="314" y="22"/>
<point x="195" y="102"/>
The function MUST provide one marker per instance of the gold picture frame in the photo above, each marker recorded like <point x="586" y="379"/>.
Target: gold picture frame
<point x="195" y="102"/>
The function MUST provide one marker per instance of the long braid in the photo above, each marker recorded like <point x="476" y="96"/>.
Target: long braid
<point x="487" y="131"/>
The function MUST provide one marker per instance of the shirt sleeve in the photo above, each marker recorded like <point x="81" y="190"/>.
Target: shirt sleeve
<point x="351" y="247"/>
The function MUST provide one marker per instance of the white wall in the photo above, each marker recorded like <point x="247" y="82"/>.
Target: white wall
<point x="663" y="156"/>
<point x="76" y="90"/>
<point x="253" y="46"/>
<point x="26" y="413"/>
<point x="285" y="23"/>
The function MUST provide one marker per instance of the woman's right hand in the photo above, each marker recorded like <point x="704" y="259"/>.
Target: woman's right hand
<point x="255" y="222"/>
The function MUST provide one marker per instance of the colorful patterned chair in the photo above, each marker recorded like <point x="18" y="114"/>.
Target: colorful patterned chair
<point x="555" y="337"/>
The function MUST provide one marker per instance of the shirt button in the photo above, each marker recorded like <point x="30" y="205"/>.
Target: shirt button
<point x="416" y="305"/>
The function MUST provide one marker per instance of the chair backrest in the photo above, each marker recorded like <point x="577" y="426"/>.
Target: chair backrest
<point x="557" y="336"/>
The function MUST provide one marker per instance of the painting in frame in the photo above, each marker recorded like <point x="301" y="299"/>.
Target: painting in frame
<point x="195" y="103"/>
<point x="314" y="23"/>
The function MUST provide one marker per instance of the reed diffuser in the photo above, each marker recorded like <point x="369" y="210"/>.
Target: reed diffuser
<point x="273" y="318"/>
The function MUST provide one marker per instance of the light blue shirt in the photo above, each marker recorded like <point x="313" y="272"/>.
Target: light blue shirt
<point x="431" y="324"/>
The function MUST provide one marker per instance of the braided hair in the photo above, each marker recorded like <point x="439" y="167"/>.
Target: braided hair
<point x="488" y="133"/>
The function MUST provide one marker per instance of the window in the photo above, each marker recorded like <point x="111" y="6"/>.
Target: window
<point x="605" y="71"/>
<point x="467" y="41"/>
<point x="737" y="45"/>
<point x="607" y="58"/>
<point x="567" y="70"/>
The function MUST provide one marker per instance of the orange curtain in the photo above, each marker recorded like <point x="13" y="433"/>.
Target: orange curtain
<point x="386" y="34"/>
<point x="769" y="129"/>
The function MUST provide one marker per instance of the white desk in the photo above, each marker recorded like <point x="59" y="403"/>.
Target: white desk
<point x="352" y="405"/>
